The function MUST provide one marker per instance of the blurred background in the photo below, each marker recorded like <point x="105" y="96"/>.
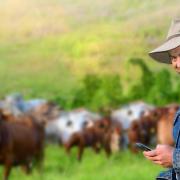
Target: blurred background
<point x="92" y="58"/>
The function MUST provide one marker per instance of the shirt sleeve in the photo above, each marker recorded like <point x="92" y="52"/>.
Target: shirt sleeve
<point x="176" y="160"/>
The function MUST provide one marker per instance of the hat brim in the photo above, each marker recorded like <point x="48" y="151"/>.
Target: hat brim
<point x="160" y="54"/>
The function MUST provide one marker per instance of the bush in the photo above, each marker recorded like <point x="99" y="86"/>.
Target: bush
<point x="99" y="92"/>
<point x="142" y="88"/>
<point x="105" y="92"/>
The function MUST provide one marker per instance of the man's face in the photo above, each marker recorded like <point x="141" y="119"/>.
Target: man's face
<point x="175" y="58"/>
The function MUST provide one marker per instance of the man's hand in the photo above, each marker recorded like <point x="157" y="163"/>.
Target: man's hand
<point x="162" y="155"/>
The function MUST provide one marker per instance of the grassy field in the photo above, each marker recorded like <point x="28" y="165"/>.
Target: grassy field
<point x="46" y="48"/>
<point x="120" y="166"/>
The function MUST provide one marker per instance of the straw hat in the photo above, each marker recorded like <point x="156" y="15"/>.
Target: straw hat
<point x="172" y="41"/>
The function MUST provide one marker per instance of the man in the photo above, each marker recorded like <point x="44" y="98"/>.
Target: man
<point x="164" y="155"/>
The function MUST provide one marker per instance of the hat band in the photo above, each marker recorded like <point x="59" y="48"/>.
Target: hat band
<point x="173" y="36"/>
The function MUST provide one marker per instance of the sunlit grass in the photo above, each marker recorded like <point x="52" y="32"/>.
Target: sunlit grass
<point x="120" y="166"/>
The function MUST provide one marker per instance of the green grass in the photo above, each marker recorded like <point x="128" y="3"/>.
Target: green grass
<point x="121" y="166"/>
<point x="46" y="48"/>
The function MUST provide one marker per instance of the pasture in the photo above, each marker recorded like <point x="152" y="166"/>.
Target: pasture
<point x="121" y="166"/>
<point x="48" y="47"/>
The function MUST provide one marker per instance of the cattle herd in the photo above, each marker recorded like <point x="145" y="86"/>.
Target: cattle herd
<point x="26" y="127"/>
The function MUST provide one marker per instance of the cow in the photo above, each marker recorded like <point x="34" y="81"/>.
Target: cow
<point x="129" y="113"/>
<point x="20" y="144"/>
<point x="60" y="129"/>
<point x="155" y="128"/>
<point x="142" y="130"/>
<point x="99" y="136"/>
<point x="165" y="125"/>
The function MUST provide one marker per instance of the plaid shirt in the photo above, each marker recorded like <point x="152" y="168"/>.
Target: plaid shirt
<point x="174" y="172"/>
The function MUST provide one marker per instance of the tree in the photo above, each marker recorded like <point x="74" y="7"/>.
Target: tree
<point x="162" y="92"/>
<point x="141" y="89"/>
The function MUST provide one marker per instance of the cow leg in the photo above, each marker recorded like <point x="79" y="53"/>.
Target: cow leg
<point x="80" y="152"/>
<point x="39" y="160"/>
<point x="67" y="148"/>
<point x="107" y="149"/>
<point x="7" y="170"/>
<point x="96" y="147"/>
<point x="133" y="148"/>
<point x="39" y="163"/>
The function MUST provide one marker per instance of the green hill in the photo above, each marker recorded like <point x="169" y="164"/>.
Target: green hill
<point x="47" y="46"/>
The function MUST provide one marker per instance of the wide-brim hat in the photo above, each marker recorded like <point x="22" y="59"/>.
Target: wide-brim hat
<point x="161" y="54"/>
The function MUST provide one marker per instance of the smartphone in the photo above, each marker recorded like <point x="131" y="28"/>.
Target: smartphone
<point x="142" y="147"/>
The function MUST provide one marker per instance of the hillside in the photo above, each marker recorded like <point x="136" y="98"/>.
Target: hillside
<point x="47" y="46"/>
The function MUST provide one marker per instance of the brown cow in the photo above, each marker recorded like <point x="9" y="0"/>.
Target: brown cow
<point x="113" y="130"/>
<point x="158" y="124"/>
<point x="165" y="125"/>
<point x="20" y="144"/>
<point x="142" y="130"/>
<point x="99" y="136"/>
<point x="46" y="112"/>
